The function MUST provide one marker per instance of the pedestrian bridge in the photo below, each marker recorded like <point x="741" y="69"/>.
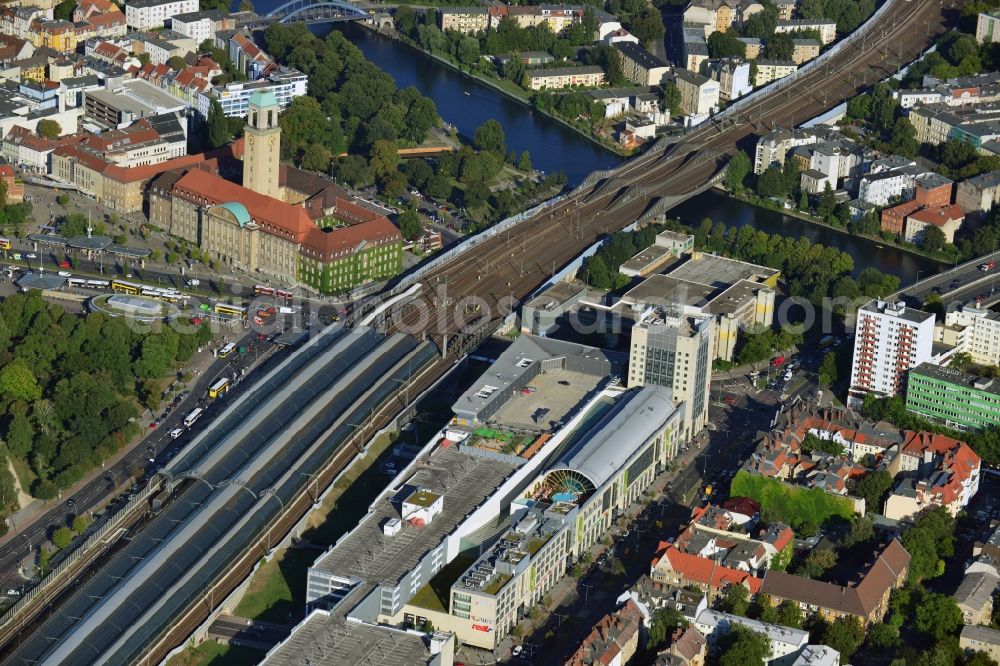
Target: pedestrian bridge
<point x="309" y="11"/>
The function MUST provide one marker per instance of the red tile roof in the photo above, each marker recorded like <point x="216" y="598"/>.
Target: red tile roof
<point x="704" y="571"/>
<point x="608" y="637"/>
<point x="938" y="215"/>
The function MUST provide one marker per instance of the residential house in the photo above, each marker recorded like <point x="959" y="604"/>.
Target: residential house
<point x="827" y="29"/>
<point x="784" y="641"/>
<point x="556" y="78"/>
<point x="804" y="50"/>
<point x="980" y="639"/>
<point x="613" y="641"/>
<point x="151" y="14"/>
<point x="699" y="94"/>
<point x="974" y="597"/>
<point x="933" y="470"/>
<point x="640" y="66"/>
<point x="946" y="218"/>
<point x="977" y="195"/>
<point x="772" y="70"/>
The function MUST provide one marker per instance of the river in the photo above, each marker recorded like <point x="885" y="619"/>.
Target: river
<point x="468" y="103"/>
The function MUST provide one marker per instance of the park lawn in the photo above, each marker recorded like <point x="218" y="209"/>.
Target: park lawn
<point x="25" y="475"/>
<point x="792" y="504"/>
<point x="211" y="653"/>
<point x="277" y="592"/>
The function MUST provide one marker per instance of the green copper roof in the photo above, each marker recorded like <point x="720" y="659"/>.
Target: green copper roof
<point x="239" y="211"/>
<point x="263" y="98"/>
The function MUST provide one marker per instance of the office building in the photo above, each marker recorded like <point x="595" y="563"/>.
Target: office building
<point x="955" y="398"/>
<point x="890" y="338"/>
<point x="675" y="351"/>
<point x="548" y="312"/>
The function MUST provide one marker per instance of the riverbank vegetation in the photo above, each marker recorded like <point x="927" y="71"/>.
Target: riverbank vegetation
<point x="495" y="56"/>
<point x="354" y="120"/>
<point x="71" y="388"/>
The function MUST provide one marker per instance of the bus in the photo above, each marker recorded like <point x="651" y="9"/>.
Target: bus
<point x="97" y="284"/>
<point x="124" y="287"/>
<point x="263" y="290"/>
<point x="76" y="282"/>
<point x="193" y="416"/>
<point x="281" y="293"/>
<point x="231" y="310"/>
<point x="227" y="350"/>
<point x="264" y="316"/>
<point x="4" y="243"/>
<point x="218" y="388"/>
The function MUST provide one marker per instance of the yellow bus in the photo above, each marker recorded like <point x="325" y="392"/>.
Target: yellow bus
<point x="124" y="287"/>
<point x="227" y="350"/>
<point x="218" y="388"/>
<point x="4" y="243"/>
<point x="231" y="310"/>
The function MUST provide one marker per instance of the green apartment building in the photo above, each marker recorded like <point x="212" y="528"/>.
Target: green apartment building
<point x="955" y="398"/>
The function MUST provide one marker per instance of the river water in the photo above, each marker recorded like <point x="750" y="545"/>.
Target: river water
<point x="467" y="103"/>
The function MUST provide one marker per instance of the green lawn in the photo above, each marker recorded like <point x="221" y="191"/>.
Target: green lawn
<point x="792" y="504"/>
<point x="211" y="653"/>
<point x="25" y="475"/>
<point x="277" y="591"/>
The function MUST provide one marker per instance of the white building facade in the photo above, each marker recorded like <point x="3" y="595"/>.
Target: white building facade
<point x="889" y="339"/>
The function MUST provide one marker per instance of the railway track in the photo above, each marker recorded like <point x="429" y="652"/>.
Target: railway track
<point x="509" y="266"/>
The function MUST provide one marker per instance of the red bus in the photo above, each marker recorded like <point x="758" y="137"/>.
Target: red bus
<point x="263" y="290"/>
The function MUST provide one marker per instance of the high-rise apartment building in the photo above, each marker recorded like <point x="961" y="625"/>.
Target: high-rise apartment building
<point x="676" y="352"/>
<point x="890" y="338"/>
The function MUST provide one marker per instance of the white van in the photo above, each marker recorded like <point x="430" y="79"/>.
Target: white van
<point x="176" y="432"/>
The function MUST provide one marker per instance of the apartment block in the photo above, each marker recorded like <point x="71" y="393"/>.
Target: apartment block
<point x="563" y="77"/>
<point x="466" y="20"/>
<point x="151" y="14"/>
<point x="975" y="331"/>
<point x="640" y="66"/>
<point x="699" y="94"/>
<point x="827" y="29"/>
<point x="772" y="70"/>
<point x="890" y="338"/>
<point x="804" y="50"/>
<point x="733" y="76"/>
<point x="979" y="194"/>
<point x="988" y="27"/>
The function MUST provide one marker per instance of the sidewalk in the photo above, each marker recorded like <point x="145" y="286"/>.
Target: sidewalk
<point x="27" y="515"/>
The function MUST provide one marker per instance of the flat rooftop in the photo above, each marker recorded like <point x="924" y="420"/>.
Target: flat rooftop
<point x="557" y="393"/>
<point x="716" y="271"/>
<point x="150" y="95"/>
<point x="370" y="555"/>
<point x="734" y="298"/>
<point x="651" y="255"/>
<point x="666" y="289"/>
<point x="558" y="293"/>
<point x="321" y="639"/>
<point x="957" y="377"/>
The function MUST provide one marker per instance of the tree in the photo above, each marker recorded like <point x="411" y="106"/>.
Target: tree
<point x="17" y="381"/>
<point x="725" y="45"/>
<point x="662" y="623"/>
<point x="468" y="50"/>
<point x="64" y="10"/>
<point x="217" y="126"/>
<point x="904" y="138"/>
<point x="648" y="26"/>
<point x="817" y="562"/>
<point x="736" y="171"/>
<point x="524" y="161"/>
<point x="828" y="369"/>
<point x="49" y="129"/>
<point x="933" y="239"/>
<point x="789" y="614"/>
<point x="81" y="523"/>
<point x="316" y="158"/>
<point x="872" y="488"/>
<point x="246" y="6"/>
<point x="844" y="635"/>
<point x="743" y="647"/>
<point x="62" y="537"/>
<point x="862" y="531"/>
<point x="490" y="137"/>
<point x="771" y="183"/>
<point x="597" y="273"/>
<point x="671" y="98"/>
<point x="813" y="443"/>
<point x="383" y="158"/>
<point x="409" y="224"/>
<point x="177" y="63"/>
<point x="938" y="615"/>
<point x="779" y="47"/>
<point x="20" y="436"/>
<point x="736" y="600"/>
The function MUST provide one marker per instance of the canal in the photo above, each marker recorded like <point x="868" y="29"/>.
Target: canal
<point x="468" y="103"/>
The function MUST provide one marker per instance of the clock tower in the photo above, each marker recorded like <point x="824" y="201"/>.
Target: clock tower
<point x="262" y="145"/>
